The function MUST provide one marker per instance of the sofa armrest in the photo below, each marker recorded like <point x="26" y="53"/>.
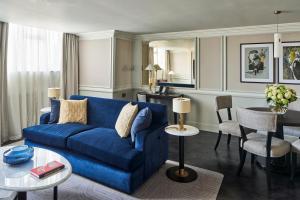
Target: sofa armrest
<point x="143" y="138"/>
<point x="44" y="118"/>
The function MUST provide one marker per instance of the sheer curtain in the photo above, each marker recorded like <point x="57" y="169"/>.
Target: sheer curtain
<point x="34" y="64"/>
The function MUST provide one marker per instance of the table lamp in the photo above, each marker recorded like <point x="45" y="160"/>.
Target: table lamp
<point x="150" y="68"/>
<point x="181" y="105"/>
<point x="53" y="93"/>
<point x="170" y="75"/>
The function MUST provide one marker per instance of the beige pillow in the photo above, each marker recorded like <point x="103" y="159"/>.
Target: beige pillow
<point x="125" y="119"/>
<point x="73" y="111"/>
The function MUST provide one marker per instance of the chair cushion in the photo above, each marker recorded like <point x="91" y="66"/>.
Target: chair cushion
<point x="230" y="127"/>
<point x="295" y="146"/>
<point x="105" y="145"/>
<point x="290" y="130"/>
<point x="256" y="144"/>
<point x="142" y="121"/>
<point x="54" y="114"/>
<point x="54" y="134"/>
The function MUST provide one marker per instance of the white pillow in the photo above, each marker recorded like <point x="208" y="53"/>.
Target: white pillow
<point x="125" y="119"/>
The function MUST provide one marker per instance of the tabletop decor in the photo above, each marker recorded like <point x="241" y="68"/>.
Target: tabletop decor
<point x="289" y="63"/>
<point x="181" y="105"/>
<point x="18" y="155"/>
<point x="256" y="63"/>
<point x="279" y="97"/>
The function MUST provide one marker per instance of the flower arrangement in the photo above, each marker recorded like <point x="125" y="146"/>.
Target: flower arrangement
<point x="279" y="97"/>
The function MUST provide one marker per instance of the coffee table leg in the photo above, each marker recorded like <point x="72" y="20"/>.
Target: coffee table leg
<point x="55" y="193"/>
<point x="22" y="195"/>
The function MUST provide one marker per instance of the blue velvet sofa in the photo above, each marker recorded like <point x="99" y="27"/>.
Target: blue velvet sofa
<point x="97" y="152"/>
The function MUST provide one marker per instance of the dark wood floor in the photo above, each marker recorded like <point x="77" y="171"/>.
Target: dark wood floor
<point x="199" y="151"/>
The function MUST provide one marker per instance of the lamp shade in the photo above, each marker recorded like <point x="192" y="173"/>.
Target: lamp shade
<point x="277" y="45"/>
<point x="171" y="73"/>
<point x="149" y="67"/>
<point x="54" y="92"/>
<point x="181" y="105"/>
<point x="157" y="67"/>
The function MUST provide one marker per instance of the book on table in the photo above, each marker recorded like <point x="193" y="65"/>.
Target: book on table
<point x="48" y="169"/>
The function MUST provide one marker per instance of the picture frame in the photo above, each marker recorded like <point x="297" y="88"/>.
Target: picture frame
<point x="289" y="63"/>
<point x="256" y="63"/>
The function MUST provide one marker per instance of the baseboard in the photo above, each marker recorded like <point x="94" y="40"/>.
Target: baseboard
<point x="204" y="126"/>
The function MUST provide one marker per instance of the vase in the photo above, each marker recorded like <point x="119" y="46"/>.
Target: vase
<point x="280" y="110"/>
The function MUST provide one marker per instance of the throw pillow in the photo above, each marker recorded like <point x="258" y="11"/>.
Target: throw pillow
<point x="74" y="111"/>
<point x="125" y="119"/>
<point x="54" y="114"/>
<point x="142" y="121"/>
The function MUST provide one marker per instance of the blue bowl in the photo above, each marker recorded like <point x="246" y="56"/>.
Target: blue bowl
<point x="18" y="155"/>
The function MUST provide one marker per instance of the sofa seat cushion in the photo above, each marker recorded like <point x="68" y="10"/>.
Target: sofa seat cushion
<point x="105" y="145"/>
<point x="54" y="134"/>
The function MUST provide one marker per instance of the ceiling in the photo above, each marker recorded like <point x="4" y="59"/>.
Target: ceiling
<point x="145" y="16"/>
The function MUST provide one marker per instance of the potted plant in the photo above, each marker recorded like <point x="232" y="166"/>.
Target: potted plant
<point x="279" y="97"/>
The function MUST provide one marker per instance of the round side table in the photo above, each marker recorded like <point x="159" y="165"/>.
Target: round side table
<point x="181" y="173"/>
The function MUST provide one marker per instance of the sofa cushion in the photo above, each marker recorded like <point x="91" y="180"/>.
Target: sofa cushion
<point x="142" y="121"/>
<point x="125" y="119"/>
<point x="73" y="111"/>
<point x="54" y="114"/>
<point x="105" y="145"/>
<point x="54" y="134"/>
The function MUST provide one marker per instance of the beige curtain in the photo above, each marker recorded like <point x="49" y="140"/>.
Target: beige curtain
<point x="167" y="64"/>
<point x="3" y="83"/>
<point x="151" y="56"/>
<point x="70" y="65"/>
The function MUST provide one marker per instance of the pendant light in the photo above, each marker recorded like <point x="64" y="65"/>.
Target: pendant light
<point x="277" y="38"/>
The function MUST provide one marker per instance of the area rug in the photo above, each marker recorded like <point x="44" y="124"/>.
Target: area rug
<point x="158" y="186"/>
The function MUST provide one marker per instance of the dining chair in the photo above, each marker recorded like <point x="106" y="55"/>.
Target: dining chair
<point x="259" y="144"/>
<point x="291" y="130"/>
<point x="229" y="126"/>
<point x="141" y="97"/>
<point x="295" y="149"/>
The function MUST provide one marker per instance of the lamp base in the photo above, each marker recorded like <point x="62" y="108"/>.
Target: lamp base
<point x="184" y="175"/>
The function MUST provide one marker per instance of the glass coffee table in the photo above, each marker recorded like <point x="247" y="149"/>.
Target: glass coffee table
<point x="18" y="178"/>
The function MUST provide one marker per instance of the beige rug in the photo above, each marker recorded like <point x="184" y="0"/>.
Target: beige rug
<point x="157" y="187"/>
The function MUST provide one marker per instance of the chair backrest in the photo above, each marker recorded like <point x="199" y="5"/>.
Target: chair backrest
<point x="223" y="102"/>
<point x="257" y="120"/>
<point x="141" y="97"/>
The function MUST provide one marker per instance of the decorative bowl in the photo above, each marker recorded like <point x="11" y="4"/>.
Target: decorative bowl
<point x="18" y="155"/>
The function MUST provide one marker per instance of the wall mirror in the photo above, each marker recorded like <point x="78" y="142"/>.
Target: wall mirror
<point x="174" y="61"/>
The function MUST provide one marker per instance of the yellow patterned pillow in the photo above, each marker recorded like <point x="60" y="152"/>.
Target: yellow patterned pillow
<point x="125" y="119"/>
<point x="73" y="111"/>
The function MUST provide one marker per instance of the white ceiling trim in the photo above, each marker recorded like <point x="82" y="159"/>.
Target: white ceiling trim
<point x="96" y="35"/>
<point x="243" y="30"/>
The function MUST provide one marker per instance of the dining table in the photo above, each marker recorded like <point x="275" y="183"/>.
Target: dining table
<point x="290" y="118"/>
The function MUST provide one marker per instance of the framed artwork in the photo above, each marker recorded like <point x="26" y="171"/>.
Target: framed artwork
<point x="289" y="63"/>
<point x="257" y="63"/>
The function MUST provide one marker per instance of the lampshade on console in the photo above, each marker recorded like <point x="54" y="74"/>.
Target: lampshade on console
<point x="53" y="93"/>
<point x="181" y="105"/>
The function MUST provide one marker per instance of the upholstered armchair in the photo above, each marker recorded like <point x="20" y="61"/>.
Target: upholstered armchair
<point x="258" y="144"/>
<point x="228" y="127"/>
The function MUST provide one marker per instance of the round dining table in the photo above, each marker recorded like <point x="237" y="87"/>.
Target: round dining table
<point x="290" y="118"/>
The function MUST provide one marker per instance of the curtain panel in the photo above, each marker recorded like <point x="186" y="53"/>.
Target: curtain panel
<point x="70" y="68"/>
<point x="34" y="64"/>
<point x="4" y="134"/>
